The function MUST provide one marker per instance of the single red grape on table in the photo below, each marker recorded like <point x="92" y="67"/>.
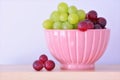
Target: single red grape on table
<point x="38" y="65"/>
<point x="49" y="65"/>
<point x="43" y="58"/>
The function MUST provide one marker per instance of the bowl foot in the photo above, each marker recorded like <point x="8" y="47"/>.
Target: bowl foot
<point x="77" y="66"/>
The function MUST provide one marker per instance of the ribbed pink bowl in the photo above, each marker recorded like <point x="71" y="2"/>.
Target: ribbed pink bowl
<point x="77" y="50"/>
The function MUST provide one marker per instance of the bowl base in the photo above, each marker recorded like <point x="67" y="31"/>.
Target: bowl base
<point x="77" y="66"/>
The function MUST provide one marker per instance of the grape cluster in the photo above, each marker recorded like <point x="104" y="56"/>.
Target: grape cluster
<point x="43" y="62"/>
<point x="69" y="17"/>
<point x="65" y="17"/>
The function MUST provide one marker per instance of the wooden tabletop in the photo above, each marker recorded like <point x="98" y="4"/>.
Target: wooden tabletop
<point x="26" y="72"/>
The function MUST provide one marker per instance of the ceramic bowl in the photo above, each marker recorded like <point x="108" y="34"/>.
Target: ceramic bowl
<point x="77" y="50"/>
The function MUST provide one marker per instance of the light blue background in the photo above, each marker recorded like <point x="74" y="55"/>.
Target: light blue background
<point x="22" y="35"/>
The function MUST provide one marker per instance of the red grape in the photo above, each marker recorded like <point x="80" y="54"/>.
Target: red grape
<point x="37" y="65"/>
<point x="102" y="21"/>
<point x="97" y="26"/>
<point x="43" y="58"/>
<point x="49" y="65"/>
<point x="84" y="25"/>
<point x="92" y="15"/>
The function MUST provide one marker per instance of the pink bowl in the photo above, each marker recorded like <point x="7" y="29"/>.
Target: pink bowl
<point x="77" y="50"/>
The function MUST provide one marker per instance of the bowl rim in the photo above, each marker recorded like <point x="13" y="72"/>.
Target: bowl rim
<point x="77" y="30"/>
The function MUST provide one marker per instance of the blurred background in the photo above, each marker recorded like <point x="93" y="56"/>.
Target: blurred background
<point x="22" y="37"/>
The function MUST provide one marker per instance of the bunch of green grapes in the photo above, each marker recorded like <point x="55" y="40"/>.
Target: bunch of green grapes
<point x="65" y="17"/>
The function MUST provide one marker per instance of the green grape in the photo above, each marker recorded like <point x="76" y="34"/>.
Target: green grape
<point x="48" y="24"/>
<point x="55" y="16"/>
<point x="81" y="14"/>
<point x="63" y="7"/>
<point x="63" y="17"/>
<point x="57" y="25"/>
<point x="72" y="9"/>
<point x="75" y="26"/>
<point x="67" y="25"/>
<point x="73" y="18"/>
